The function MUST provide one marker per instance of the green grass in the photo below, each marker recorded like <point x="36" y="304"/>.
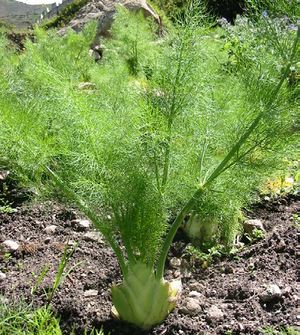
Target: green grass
<point x="22" y="319"/>
<point x="283" y="331"/>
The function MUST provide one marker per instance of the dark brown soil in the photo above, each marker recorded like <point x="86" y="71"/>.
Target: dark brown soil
<point x="233" y="284"/>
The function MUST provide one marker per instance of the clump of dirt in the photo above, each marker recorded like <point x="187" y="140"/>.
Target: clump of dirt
<point x="229" y="297"/>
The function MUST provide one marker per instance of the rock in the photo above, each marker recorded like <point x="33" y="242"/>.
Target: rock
<point x="228" y="269"/>
<point x="81" y="224"/>
<point x="214" y="314"/>
<point x="281" y="245"/>
<point x="50" y="229"/>
<point x="104" y="11"/>
<point x="175" y="263"/>
<point x="252" y="224"/>
<point x="287" y="291"/>
<point x="90" y="293"/>
<point x="271" y="293"/>
<point x="195" y="286"/>
<point x="177" y="274"/>
<point x="191" y="306"/>
<point x="11" y="245"/>
<point x="3" y="174"/>
<point x="47" y="240"/>
<point x="2" y="276"/>
<point x="86" y="86"/>
<point x="95" y="55"/>
<point x="93" y="237"/>
<point x="195" y="294"/>
<point x="241" y="327"/>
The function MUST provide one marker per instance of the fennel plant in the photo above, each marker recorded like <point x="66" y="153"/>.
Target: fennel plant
<point x="152" y="138"/>
<point x="145" y="298"/>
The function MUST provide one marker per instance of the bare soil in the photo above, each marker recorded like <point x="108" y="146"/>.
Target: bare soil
<point x="233" y="284"/>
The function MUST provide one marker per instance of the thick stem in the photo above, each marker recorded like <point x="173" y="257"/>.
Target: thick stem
<point x="171" y="233"/>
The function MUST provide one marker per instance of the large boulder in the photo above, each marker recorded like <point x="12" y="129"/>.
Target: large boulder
<point x="104" y="10"/>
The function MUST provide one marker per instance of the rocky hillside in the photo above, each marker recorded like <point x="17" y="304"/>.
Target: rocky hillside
<point x="19" y="14"/>
<point x="104" y="10"/>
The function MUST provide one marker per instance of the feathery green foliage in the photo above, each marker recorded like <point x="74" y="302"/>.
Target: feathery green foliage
<point x="167" y="129"/>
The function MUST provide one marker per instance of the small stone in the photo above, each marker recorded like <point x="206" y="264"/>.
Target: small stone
<point x="2" y="276"/>
<point x="93" y="237"/>
<point x="81" y="224"/>
<point x="95" y="54"/>
<point x="90" y="293"/>
<point x="47" y="240"/>
<point x="271" y="293"/>
<point x="191" y="306"/>
<point x="241" y="327"/>
<point x="287" y="290"/>
<point x="11" y="245"/>
<point x="252" y="224"/>
<point x="280" y="246"/>
<point x="177" y="274"/>
<point x="195" y="286"/>
<point x="228" y="269"/>
<point x="251" y="266"/>
<point x="175" y="263"/>
<point x="50" y="229"/>
<point x="195" y="294"/>
<point x="3" y="174"/>
<point x="214" y="314"/>
<point x="86" y="86"/>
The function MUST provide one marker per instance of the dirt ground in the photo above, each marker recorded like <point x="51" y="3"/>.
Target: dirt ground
<point x="225" y="298"/>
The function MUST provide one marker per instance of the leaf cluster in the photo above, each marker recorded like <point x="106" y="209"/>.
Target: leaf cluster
<point x="160" y="119"/>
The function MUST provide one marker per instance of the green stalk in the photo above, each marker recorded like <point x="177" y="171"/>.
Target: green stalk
<point x="171" y="118"/>
<point x="221" y="167"/>
<point x="172" y="231"/>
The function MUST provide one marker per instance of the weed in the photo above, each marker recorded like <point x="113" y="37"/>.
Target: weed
<point x="296" y="220"/>
<point x="23" y="319"/>
<point x="61" y="274"/>
<point x="204" y="259"/>
<point x="39" y="278"/>
<point x="283" y="331"/>
<point x="256" y="235"/>
<point x="7" y="209"/>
